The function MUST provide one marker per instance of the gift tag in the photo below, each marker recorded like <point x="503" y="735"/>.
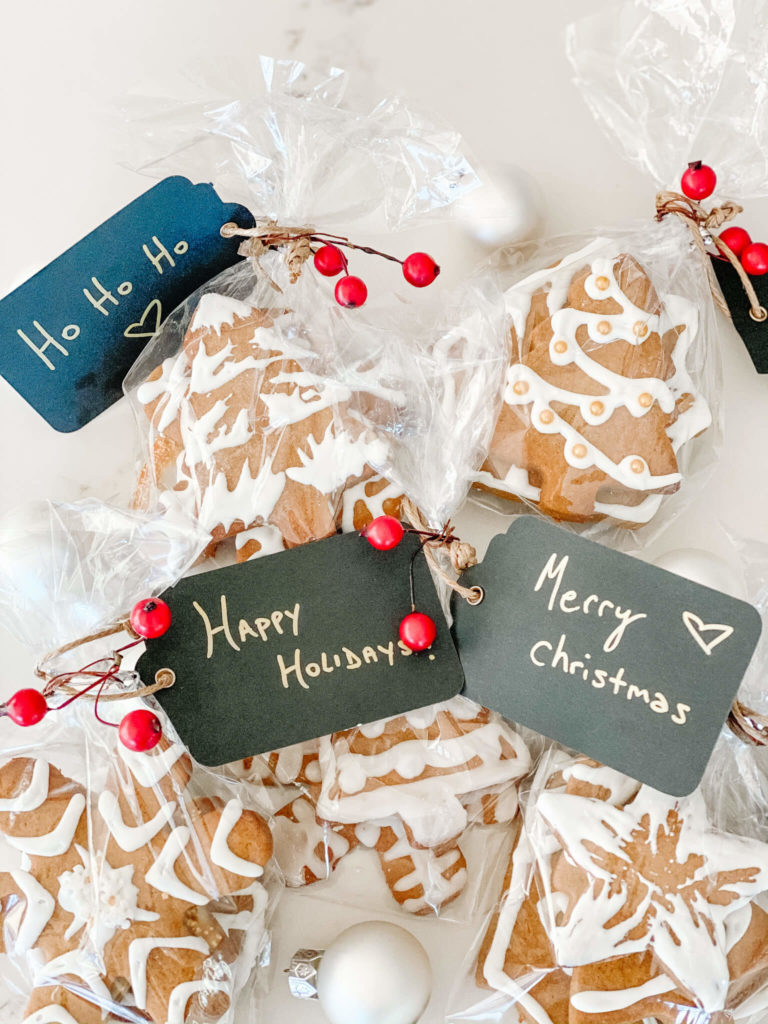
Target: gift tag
<point x="298" y="644"/>
<point x="629" y="664"/>
<point x="754" y="333"/>
<point x="69" y="335"/>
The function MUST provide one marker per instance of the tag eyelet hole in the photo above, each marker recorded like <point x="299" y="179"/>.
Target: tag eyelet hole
<point x="165" y="677"/>
<point x="478" y="595"/>
<point x="759" y="314"/>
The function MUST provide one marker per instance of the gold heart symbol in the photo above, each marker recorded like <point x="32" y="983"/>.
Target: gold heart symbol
<point x="696" y="628"/>
<point x="131" y="332"/>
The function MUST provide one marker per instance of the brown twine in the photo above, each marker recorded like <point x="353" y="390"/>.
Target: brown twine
<point x="296" y="244"/>
<point x="748" y="725"/>
<point x="164" y="677"/>
<point x="697" y="218"/>
<point x="462" y="555"/>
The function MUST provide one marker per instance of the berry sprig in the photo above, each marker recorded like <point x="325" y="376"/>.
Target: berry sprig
<point x="419" y="269"/>
<point x="417" y="630"/>
<point x="697" y="183"/>
<point x="140" y="729"/>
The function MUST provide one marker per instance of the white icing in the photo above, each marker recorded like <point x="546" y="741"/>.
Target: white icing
<point x="59" y="839"/>
<point x="149" y="768"/>
<point x="374" y="502"/>
<point x="244" y="920"/>
<point x="39" y="906"/>
<point x="51" y="1014"/>
<point x="138" y="953"/>
<point x="162" y="875"/>
<point x="430" y="806"/>
<point x="297" y="844"/>
<point x="428" y="872"/>
<point x="617" y="391"/>
<point x="128" y="837"/>
<point x="180" y="996"/>
<point x="34" y="795"/>
<point x="215" y="310"/>
<point x="493" y="966"/>
<point x="368" y="833"/>
<point x="609" y="1001"/>
<point x="100" y="896"/>
<point x="79" y="964"/>
<point x="269" y="537"/>
<point x="220" y="851"/>
<point x="666" y="917"/>
<point x="332" y="461"/>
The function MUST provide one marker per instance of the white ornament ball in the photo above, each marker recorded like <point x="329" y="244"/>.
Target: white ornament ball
<point x="506" y="208"/>
<point x="705" y="568"/>
<point x="374" y="973"/>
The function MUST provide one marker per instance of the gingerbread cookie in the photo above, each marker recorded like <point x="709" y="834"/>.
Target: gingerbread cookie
<point x="247" y="436"/>
<point x="620" y="904"/>
<point x="420" y="767"/>
<point x="100" y="907"/>
<point x="598" y="399"/>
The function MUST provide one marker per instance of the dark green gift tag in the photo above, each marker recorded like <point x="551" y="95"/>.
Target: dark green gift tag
<point x="754" y="333"/>
<point x="69" y="335"/>
<point x="298" y="644"/>
<point x="627" y="663"/>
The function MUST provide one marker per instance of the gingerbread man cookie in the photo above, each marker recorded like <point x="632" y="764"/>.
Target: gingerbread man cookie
<point x="598" y="399"/>
<point x="140" y="895"/>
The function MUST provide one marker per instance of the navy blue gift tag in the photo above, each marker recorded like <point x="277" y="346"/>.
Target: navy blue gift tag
<point x="69" y="335"/>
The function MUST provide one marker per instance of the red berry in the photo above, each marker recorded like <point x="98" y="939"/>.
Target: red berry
<point x="754" y="258"/>
<point x="350" y="292"/>
<point x="737" y="239"/>
<point x="329" y="260"/>
<point x="698" y="181"/>
<point x="419" y="269"/>
<point x="26" y="707"/>
<point x="418" y="631"/>
<point x="151" y="618"/>
<point x="140" y="730"/>
<point x="384" y="533"/>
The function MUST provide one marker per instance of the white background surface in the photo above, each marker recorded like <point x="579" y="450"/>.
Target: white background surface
<point x="495" y="69"/>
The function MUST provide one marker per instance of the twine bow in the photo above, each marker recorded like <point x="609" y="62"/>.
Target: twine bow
<point x="461" y="554"/>
<point x="63" y="681"/>
<point x="705" y="225"/>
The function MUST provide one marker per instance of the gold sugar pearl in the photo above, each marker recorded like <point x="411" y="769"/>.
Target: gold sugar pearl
<point x="561" y="346"/>
<point x="520" y="387"/>
<point x="579" y="450"/>
<point x="646" y="400"/>
<point x="637" y="465"/>
<point x="602" y="283"/>
<point x="597" y="408"/>
<point x="640" y="329"/>
<point x="547" y="416"/>
<point x="604" y="327"/>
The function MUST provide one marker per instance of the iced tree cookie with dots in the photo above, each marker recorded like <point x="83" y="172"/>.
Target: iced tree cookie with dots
<point x="620" y="904"/>
<point x="138" y="895"/>
<point x="598" y="400"/>
<point x="248" y="437"/>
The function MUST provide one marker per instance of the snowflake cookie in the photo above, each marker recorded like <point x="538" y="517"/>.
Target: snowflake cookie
<point x="100" y="907"/>
<point x="621" y="903"/>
